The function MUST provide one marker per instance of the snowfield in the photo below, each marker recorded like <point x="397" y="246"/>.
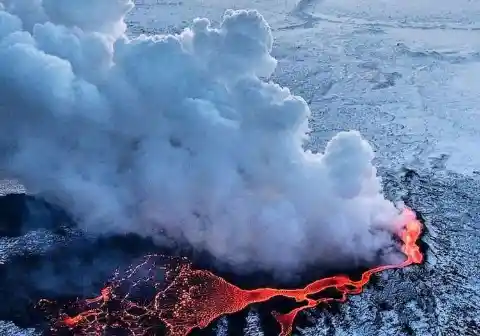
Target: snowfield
<point x="396" y="71"/>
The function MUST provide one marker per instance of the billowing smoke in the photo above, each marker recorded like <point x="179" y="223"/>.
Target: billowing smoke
<point x="180" y="137"/>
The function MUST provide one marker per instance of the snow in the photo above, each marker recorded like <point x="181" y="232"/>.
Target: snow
<point x="10" y="329"/>
<point x="352" y="47"/>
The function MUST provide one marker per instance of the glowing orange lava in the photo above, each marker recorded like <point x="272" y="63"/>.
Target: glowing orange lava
<point x="191" y="298"/>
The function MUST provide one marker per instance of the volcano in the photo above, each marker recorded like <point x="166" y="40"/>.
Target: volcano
<point x="170" y="291"/>
<point x="194" y="298"/>
<point x="81" y="267"/>
<point x="190" y="132"/>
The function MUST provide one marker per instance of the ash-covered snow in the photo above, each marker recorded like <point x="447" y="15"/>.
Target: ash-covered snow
<point x="252" y="324"/>
<point x="9" y="329"/>
<point x="32" y="242"/>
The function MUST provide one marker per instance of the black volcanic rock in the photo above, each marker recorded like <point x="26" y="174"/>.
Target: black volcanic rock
<point x="20" y="213"/>
<point x="79" y="268"/>
<point x="73" y="266"/>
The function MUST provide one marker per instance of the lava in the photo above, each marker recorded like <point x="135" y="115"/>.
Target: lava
<point x="183" y="298"/>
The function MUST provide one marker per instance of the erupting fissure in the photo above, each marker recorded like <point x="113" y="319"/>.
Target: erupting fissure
<point x="185" y="298"/>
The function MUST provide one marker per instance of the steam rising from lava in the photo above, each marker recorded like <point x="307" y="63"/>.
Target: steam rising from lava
<point x="193" y="298"/>
<point x="180" y="137"/>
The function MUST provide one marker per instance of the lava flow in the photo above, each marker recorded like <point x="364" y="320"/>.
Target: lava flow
<point x="184" y="298"/>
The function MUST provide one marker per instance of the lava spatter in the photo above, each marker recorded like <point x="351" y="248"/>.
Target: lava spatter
<point x="170" y="292"/>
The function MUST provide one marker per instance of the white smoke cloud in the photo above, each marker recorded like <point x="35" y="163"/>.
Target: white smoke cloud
<point x="180" y="136"/>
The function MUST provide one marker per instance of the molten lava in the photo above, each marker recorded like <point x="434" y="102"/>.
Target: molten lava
<point x="184" y="298"/>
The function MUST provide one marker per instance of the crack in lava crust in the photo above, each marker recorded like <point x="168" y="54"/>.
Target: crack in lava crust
<point x="183" y="298"/>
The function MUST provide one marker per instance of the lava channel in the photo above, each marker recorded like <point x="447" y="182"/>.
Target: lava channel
<point x="183" y="298"/>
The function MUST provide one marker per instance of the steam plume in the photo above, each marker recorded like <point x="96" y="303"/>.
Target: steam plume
<point x="180" y="137"/>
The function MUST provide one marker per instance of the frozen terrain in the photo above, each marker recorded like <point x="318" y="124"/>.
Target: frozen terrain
<point x="398" y="72"/>
<point x="405" y="74"/>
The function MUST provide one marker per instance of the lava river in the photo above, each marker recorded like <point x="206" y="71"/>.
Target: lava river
<point x="169" y="292"/>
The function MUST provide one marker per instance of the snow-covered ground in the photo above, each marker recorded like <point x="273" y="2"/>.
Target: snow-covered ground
<point x="404" y="73"/>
